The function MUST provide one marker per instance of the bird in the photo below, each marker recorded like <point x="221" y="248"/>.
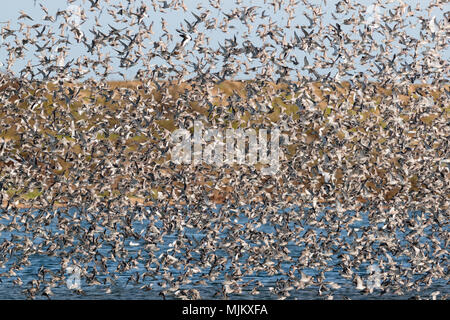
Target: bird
<point x="88" y="177"/>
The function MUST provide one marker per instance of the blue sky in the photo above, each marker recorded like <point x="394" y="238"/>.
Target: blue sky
<point x="10" y="12"/>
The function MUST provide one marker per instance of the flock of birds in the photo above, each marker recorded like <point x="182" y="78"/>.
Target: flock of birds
<point x="86" y="177"/>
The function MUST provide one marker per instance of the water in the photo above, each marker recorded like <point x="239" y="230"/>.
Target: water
<point x="147" y="254"/>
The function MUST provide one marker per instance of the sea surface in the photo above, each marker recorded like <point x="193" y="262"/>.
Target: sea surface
<point x="124" y="288"/>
